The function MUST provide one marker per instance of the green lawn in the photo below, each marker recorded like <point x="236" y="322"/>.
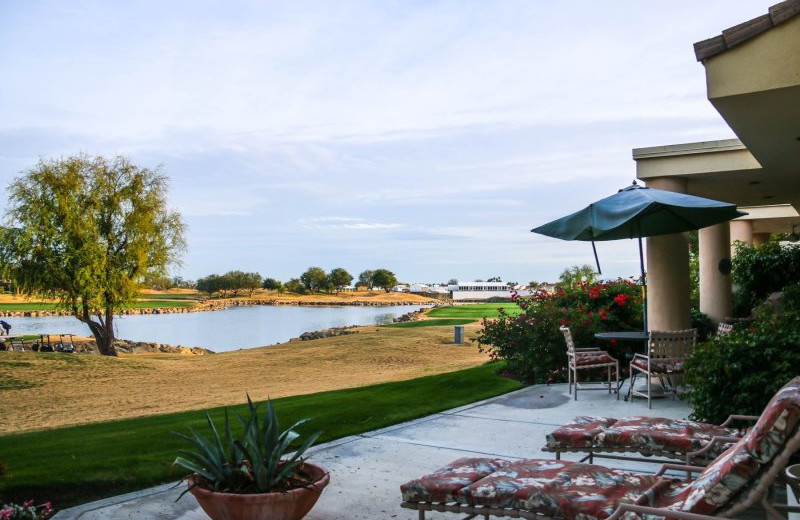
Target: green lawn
<point x="148" y="304"/>
<point x="475" y="311"/>
<point x="427" y="323"/>
<point x="69" y="466"/>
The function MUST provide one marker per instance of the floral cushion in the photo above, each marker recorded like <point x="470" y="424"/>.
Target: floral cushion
<point x="565" y="489"/>
<point x="580" y="433"/>
<point x="660" y="365"/>
<point x="662" y="434"/>
<point x="740" y="467"/>
<point x="598" y="357"/>
<point x="441" y="485"/>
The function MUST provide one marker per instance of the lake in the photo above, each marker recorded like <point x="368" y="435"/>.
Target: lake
<point x="230" y="329"/>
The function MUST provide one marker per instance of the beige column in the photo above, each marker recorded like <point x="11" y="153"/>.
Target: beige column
<point x="741" y="230"/>
<point x="668" y="272"/>
<point x="716" y="297"/>
<point x="760" y="238"/>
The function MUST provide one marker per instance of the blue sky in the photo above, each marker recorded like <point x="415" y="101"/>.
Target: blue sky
<point x="427" y="137"/>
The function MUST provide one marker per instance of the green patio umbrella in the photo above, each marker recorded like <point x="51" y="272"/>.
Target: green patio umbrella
<point x="636" y="212"/>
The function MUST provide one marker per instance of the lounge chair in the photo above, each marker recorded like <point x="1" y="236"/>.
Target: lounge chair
<point x="650" y="436"/>
<point x="741" y="477"/>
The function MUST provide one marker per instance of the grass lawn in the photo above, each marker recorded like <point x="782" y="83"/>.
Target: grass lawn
<point x="427" y="323"/>
<point x="69" y="466"/>
<point x="475" y="311"/>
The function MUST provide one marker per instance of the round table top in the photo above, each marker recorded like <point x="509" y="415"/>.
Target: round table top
<point x="637" y="335"/>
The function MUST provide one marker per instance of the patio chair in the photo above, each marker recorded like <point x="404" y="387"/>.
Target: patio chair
<point x="606" y="437"/>
<point x="667" y="352"/>
<point x="588" y="358"/>
<point x="724" y="328"/>
<point x="741" y="477"/>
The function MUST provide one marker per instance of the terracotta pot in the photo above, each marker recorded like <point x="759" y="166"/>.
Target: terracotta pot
<point x="288" y="505"/>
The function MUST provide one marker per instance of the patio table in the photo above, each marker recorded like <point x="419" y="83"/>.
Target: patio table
<point x="635" y="335"/>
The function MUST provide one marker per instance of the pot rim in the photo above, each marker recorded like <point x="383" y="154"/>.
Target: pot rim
<point x="317" y="485"/>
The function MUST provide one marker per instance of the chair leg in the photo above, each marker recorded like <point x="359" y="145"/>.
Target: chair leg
<point x="631" y="381"/>
<point x="616" y="372"/>
<point x="569" y="377"/>
<point x="575" y="381"/>
<point x="649" y="389"/>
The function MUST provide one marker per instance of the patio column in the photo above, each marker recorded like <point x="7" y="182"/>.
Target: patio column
<point x="741" y="230"/>
<point x="668" y="286"/>
<point x="716" y="296"/>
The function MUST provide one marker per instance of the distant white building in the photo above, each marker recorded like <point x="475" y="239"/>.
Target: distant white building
<point x="419" y="288"/>
<point x="479" y="290"/>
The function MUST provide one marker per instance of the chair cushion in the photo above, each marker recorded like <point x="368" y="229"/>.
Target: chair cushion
<point x="722" y="483"/>
<point x="598" y="357"/>
<point x="580" y="433"/>
<point x="662" y="434"/>
<point x="441" y="485"/>
<point x="660" y="365"/>
<point x="565" y="489"/>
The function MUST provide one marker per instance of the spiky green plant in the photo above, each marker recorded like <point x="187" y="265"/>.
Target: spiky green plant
<point x="251" y="463"/>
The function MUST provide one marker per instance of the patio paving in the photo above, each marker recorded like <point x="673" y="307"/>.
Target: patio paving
<point x="367" y="470"/>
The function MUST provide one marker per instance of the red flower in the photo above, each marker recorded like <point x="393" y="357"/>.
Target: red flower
<point x="563" y="322"/>
<point x="621" y="299"/>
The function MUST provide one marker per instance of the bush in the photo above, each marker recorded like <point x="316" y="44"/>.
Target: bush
<point x="531" y="343"/>
<point x="761" y="270"/>
<point x="703" y="324"/>
<point x="738" y="373"/>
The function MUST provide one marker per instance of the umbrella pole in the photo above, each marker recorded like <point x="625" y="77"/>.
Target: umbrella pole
<point x="644" y="286"/>
<point x="595" y="258"/>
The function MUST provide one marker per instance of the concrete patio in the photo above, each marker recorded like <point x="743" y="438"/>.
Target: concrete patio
<point x="367" y="470"/>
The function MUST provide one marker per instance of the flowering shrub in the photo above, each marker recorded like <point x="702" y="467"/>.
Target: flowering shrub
<point x="26" y="511"/>
<point x="533" y="346"/>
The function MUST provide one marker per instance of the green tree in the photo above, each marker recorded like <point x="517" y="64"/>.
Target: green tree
<point x="384" y="279"/>
<point x="210" y="284"/>
<point x="86" y="231"/>
<point x="295" y="286"/>
<point x="314" y="279"/>
<point x="365" y="279"/>
<point x="271" y="284"/>
<point x="576" y="275"/>
<point x="339" y="278"/>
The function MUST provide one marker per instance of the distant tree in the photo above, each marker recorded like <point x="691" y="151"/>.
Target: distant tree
<point x="365" y="279"/>
<point x="314" y="279"/>
<point x="179" y="282"/>
<point x="210" y="284"/>
<point x="494" y="279"/>
<point x="86" y="231"/>
<point x="478" y="281"/>
<point x="384" y="279"/>
<point x="294" y="285"/>
<point x="533" y="284"/>
<point x="339" y="278"/>
<point x="251" y="282"/>
<point x="452" y="281"/>
<point x="577" y="274"/>
<point x="271" y="284"/>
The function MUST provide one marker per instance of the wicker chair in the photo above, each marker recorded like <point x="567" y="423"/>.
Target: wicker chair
<point x="724" y="328"/>
<point x="586" y="358"/>
<point x="667" y="352"/>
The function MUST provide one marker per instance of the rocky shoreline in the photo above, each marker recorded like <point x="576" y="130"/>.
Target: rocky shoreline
<point x="215" y="305"/>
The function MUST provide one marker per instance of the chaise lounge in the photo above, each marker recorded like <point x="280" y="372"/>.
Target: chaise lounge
<point x="552" y="489"/>
<point x="691" y="441"/>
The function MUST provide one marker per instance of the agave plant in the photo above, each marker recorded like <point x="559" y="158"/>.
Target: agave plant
<point x="251" y="463"/>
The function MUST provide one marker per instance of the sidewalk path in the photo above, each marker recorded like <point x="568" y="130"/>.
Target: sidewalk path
<point x="367" y="470"/>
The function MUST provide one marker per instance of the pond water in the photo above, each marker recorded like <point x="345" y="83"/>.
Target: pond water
<point x="230" y="329"/>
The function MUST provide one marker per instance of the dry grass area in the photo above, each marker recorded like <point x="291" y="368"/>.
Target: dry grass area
<point x="51" y="390"/>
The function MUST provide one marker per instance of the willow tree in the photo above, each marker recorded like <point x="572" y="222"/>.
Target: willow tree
<point x="86" y="231"/>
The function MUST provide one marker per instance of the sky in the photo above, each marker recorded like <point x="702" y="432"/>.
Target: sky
<point x="425" y="137"/>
